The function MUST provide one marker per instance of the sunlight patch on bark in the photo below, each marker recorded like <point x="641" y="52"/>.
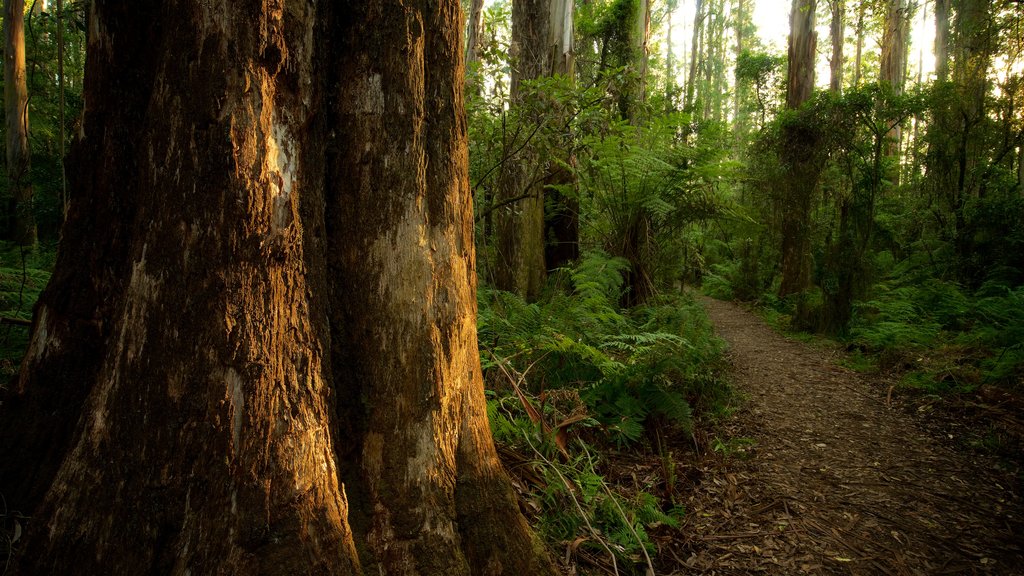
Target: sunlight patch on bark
<point x="44" y="340"/>
<point x="237" y="400"/>
<point x="280" y="167"/>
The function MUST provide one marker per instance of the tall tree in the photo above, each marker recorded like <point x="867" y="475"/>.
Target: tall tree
<point x="892" y="68"/>
<point x="798" y="152"/>
<point x="268" y="363"/>
<point x="19" y="156"/>
<point x="696" y="55"/>
<point x="860" y="32"/>
<point x="838" y="8"/>
<point x="942" y="40"/>
<point x="562" y="219"/>
<point x="520" y="266"/>
<point x="475" y="31"/>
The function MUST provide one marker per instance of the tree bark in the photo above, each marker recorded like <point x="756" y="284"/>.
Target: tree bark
<point x="798" y="154"/>
<point x="836" y="32"/>
<point x="474" y="38"/>
<point x="942" y="40"/>
<point x="858" y="58"/>
<point x="696" y="55"/>
<point x="268" y="364"/>
<point x="520" y="225"/>
<point x="19" y="159"/>
<point x="562" y="219"/>
<point x="892" y="70"/>
<point x="802" y="43"/>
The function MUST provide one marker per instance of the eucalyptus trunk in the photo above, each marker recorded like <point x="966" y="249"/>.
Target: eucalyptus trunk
<point x="267" y="364"/>
<point x="798" y="153"/>
<point x="838" y="8"/>
<point x="19" y="156"/>
<point x="696" y="56"/>
<point x="942" y="40"/>
<point x="562" y="218"/>
<point x="520" y="266"/>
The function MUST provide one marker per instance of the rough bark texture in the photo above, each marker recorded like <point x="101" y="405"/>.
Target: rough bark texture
<point x="475" y="26"/>
<point x="802" y="42"/>
<point x="202" y="378"/>
<point x="419" y="460"/>
<point x="23" y="225"/>
<point x="800" y="145"/>
<point x="520" y="224"/>
<point x="894" y="44"/>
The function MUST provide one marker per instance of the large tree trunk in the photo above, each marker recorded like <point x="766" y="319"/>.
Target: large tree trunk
<point x="799" y="153"/>
<point x="267" y="363"/>
<point x="562" y="218"/>
<point x="23" y="224"/>
<point x="520" y="222"/>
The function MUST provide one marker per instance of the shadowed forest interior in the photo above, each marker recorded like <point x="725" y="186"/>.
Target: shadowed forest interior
<point x="512" y="287"/>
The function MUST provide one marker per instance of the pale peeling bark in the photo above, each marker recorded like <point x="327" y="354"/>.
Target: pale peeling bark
<point x="221" y="378"/>
<point x="23" y="225"/>
<point x="802" y="43"/>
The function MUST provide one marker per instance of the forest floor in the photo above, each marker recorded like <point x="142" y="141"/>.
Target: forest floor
<point x="821" y="471"/>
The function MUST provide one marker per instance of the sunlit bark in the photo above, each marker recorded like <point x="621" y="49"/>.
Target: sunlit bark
<point x="267" y="364"/>
<point x="23" y="225"/>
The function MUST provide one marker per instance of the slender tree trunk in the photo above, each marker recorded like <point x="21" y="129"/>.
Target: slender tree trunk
<point x="858" y="62"/>
<point x="474" y="41"/>
<point x="275" y="372"/>
<point x="641" y="51"/>
<point x="19" y="160"/>
<point x="696" y="54"/>
<point x="836" y="32"/>
<point x="740" y="24"/>
<point x="475" y="26"/>
<point x="1020" y="169"/>
<point x="670" y="64"/>
<point x="942" y="40"/>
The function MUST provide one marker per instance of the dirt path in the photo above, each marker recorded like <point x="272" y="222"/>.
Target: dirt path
<point x="837" y="482"/>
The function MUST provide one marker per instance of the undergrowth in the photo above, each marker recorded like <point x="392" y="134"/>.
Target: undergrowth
<point x="574" y="377"/>
<point x="23" y="275"/>
<point x="943" y="338"/>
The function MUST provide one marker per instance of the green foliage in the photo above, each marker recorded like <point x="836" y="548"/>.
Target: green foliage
<point x="23" y="275"/>
<point x="653" y="362"/>
<point x="44" y="110"/>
